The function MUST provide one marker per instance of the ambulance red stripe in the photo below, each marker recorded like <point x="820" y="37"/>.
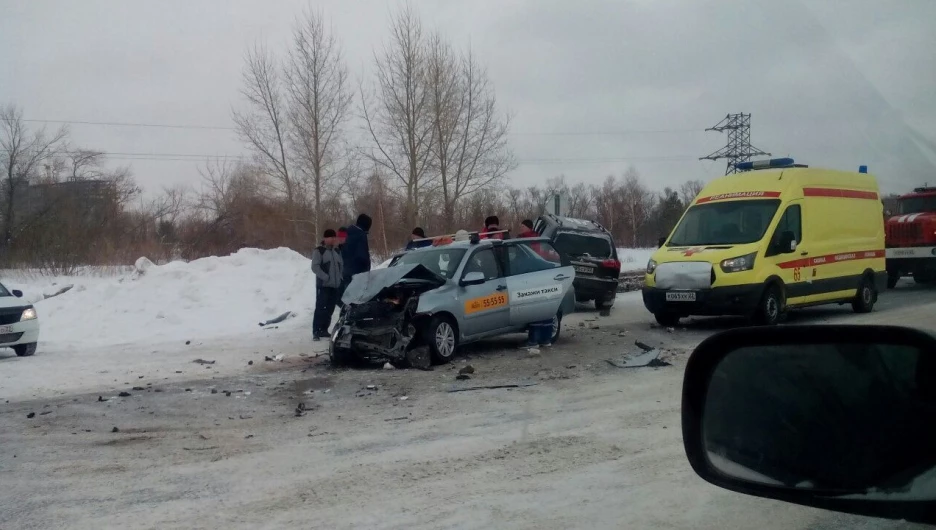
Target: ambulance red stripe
<point x="839" y="193"/>
<point x="829" y="259"/>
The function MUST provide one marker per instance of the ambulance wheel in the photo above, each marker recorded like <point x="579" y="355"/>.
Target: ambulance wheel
<point x="867" y="295"/>
<point x="667" y="319"/>
<point x="892" y="278"/>
<point x="442" y="338"/>
<point x="770" y="309"/>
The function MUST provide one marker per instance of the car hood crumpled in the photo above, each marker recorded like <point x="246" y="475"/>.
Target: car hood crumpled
<point x="367" y="286"/>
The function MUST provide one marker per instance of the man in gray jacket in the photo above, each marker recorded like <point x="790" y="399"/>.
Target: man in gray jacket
<point x="329" y="271"/>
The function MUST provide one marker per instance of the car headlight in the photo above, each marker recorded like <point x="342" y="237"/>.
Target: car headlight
<point x="28" y="314"/>
<point x="651" y="266"/>
<point x="741" y="263"/>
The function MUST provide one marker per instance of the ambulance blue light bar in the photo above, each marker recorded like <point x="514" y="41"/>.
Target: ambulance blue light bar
<point x="765" y="164"/>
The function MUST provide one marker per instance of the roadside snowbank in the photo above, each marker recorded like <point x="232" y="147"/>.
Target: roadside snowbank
<point x="634" y="258"/>
<point x="211" y="297"/>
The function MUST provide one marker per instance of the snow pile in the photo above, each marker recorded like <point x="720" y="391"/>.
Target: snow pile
<point x="634" y="258"/>
<point x="207" y="298"/>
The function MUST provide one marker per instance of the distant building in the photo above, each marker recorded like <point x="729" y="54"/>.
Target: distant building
<point x="87" y="195"/>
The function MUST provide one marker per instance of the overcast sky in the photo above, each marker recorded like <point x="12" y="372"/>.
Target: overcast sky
<point x="594" y="86"/>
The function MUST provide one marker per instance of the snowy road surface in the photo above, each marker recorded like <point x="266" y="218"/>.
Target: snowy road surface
<point x="588" y="446"/>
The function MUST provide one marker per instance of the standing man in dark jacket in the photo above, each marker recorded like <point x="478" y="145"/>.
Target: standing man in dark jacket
<point x="356" y="252"/>
<point x="329" y="273"/>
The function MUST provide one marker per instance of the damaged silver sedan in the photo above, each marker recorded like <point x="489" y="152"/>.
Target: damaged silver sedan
<point x="429" y="301"/>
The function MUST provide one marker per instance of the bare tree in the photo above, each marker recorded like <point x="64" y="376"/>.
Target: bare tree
<point x="637" y="203"/>
<point x="264" y="125"/>
<point x="320" y="98"/>
<point x="399" y="122"/>
<point x="470" y="148"/>
<point x="690" y="190"/>
<point x="21" y="154"/>
<point x="83" y="163"/>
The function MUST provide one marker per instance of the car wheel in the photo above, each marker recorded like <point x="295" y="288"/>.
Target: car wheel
<point x="442" y="338"/>
<point x="557" y="328"/>
<point x="892" y="278"/>
<point x="865" y="298"/>
<point x="604" y="304"/>
<point x="666" y="319"/>
<point x="921" y="279"/>
<point x="25" y="350"/>
<point x="770" y="309"/>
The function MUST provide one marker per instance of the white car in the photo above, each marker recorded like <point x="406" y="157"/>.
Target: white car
<point x="19" y="325"/>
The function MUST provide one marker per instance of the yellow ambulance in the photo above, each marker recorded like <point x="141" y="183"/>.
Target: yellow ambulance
<point x="773" y="237"/>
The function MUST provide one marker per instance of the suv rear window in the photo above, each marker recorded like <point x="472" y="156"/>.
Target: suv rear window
<point x="574" y="244"/>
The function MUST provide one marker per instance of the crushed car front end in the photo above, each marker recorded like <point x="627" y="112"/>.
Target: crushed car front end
<point x="379" y="321"/>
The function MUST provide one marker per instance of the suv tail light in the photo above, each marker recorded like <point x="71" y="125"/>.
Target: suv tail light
<point x="611" y="264"/>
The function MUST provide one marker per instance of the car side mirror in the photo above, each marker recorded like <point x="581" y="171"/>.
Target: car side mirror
<point x="17" y="293"/>
<point x="472" y="278"/>
<point x="661" y="242"/>
<point x="834" y="417"/>
<point x="787" y="242"/>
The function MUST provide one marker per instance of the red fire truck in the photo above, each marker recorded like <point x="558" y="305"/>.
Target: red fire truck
<point x="911" y="238"/>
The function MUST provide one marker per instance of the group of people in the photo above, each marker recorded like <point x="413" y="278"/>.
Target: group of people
<point x="491" y="230"/>
<point x="340" y="255"/>
<point x="345" y="252"/>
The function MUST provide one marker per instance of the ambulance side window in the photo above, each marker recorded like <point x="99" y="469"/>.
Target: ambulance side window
<point x="791" y="221"/>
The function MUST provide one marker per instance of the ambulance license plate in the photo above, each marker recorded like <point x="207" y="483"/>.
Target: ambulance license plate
<point x="681" y="296"/>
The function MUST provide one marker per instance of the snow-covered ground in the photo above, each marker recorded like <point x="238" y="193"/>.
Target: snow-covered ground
<point x="208" y="298"/>
<point x="633" y="259"/>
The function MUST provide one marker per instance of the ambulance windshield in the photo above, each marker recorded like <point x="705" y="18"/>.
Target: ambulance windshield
<point x="725" y="223"/>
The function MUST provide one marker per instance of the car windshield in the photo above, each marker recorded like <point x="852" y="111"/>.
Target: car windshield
<point x="576" y="244"/>
<point x="725" y="223"/>
<point x="916" y="205"/>
<point x="441" y="261"/>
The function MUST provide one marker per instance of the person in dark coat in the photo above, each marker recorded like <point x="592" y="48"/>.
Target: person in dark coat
<point x="329" y="274"/>
<point x="418" y="234"/>
<point x="356" y="252"/>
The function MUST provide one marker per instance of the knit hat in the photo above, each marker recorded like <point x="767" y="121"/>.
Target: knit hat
<point x="419" y="232"/>
<point x="364" y="222"/>
<point x="492" y="220"/>
<point x="329" y="233"/>
<point x="342" y="232"/>
<point x="527" y="223"/>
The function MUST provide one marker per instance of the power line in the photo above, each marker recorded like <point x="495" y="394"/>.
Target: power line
<point x="127" y="124"/>
<point x="608" y="133"/>
<point x="197" y="157"/>
<point x="220" y="128"/>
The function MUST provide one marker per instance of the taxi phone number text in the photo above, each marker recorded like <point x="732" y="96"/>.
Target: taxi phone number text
<point x="487" y="302"/>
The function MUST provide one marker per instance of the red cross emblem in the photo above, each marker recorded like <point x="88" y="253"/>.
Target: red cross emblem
<point x="692" y="251"/>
